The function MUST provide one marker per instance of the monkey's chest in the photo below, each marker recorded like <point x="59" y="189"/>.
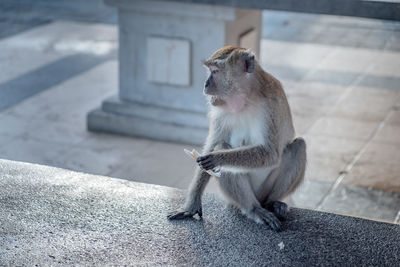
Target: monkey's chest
<point x="251" y="132"/>
<point x="247" y="132"/>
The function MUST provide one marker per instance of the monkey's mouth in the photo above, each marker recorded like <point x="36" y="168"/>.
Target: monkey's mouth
<point x="217" y="100"/>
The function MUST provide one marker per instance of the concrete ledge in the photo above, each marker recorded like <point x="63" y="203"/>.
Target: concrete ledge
<point x="52" y="216"/>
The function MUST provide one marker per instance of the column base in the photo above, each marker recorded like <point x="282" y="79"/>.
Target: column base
<point x="153" y="122"/>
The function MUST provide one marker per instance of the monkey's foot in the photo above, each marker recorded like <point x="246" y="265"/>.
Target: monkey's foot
<point x="280" y="209"/>
<point x="268" y="218"/>
<point x="184" y="215"/>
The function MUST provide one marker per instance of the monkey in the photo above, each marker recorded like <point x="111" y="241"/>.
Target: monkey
<point x="251" y="140"/>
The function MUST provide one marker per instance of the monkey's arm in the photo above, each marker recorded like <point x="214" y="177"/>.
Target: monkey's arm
<point x="245" y="157"/>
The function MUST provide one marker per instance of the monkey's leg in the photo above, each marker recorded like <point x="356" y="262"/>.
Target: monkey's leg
<point x="237" y="188"/>
<point x="193" y="202"/>
<point x="287" y="177"/>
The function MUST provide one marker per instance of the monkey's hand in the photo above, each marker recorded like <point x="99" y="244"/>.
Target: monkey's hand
<point x="187" y="213"/>
<point x="209" y="161"/>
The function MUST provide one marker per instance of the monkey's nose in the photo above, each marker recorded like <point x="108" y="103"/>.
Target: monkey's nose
<point x="207" y="83"/>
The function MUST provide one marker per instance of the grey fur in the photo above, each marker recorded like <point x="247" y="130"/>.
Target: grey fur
<point x="292" y="167"/>
<point x="266" y="134"/>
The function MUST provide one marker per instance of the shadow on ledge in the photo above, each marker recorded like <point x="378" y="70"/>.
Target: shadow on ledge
<point x="51" y="216"/>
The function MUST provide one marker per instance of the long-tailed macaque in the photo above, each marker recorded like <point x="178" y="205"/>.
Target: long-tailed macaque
<point x="251" y="140"/>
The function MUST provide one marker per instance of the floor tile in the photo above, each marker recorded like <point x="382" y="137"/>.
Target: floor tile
<point x="102" y="161"/>
<point x="381" y="153"/>
<point x="386" y="63"/>
<point x="104" y="142"/>
<point x="34" y="151"/>
<point x="89" y="88"/>
<point x="15" y="60"/>
<point x="5" y="139"/>
<point x="349" y="59"/>
<point x="309" y="194"/>
<point x="363" y="202"/>
<point x="160" y="163"/>
<point x="366" y="104"/>
<point x="320" y="145"/>
<point x="342" y="127"/>
<point x="389" y="133"/>
<point x="296" y="54"/>
<point x="11" y="125"/>
<point x="310" y="98"/>
<point x="51" y="116"/>
<point x="328" y="156"/>
<point x="303" y="123"/>
<point x="394" y="116"/>
<point x="378" y="168"/>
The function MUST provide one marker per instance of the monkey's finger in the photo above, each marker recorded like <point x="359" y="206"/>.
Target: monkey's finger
<point x="204" y="162"/>
<point x="207" y="166"/>
<point x="274" y="223"/>
<point x="204" y="158"/>
<point x="207" y="163"/>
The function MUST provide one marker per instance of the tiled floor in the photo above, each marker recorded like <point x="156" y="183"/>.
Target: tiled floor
<point x="344" y="91"/>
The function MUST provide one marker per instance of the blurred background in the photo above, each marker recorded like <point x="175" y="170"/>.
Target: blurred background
<point x="59" y="61"/>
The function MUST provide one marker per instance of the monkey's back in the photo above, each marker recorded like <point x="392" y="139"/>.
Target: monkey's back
<point x="277" y="106"/>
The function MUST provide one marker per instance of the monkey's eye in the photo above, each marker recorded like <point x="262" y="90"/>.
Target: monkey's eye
<point x="214" y="71"/>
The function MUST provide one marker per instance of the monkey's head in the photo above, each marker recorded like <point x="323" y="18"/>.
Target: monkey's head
<point x="230" y="70"/>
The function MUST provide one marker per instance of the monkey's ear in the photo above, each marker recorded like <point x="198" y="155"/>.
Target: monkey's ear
<point x="249" y="62"/>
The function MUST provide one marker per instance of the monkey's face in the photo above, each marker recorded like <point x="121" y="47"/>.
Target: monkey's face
<point x="228" y="78"/>
<point x="217" y="85"/>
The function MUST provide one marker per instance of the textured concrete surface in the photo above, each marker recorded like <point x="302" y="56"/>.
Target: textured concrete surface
<point x="341" y="76"/>
<point x="51" y="216"/>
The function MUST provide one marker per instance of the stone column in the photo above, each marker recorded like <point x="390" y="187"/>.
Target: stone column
<point x="161" y="77"/>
